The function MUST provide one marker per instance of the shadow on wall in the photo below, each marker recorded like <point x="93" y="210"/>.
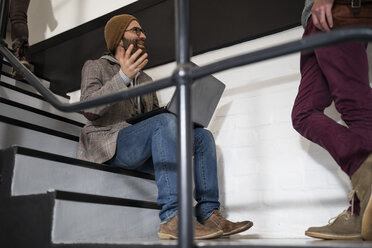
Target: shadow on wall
<point x="222" y="110"/>
<point x="285" y="203"/>
<point x="221" y="178"/>
<point x="40" y="25"/>
<point x="216" y="125"/>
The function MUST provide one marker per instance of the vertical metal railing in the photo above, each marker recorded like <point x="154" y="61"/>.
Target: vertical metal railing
<point x="4" y="12"/>
<point x="185" y="131"/>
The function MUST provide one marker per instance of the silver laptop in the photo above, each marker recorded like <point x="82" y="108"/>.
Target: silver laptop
<point x="205" y="95"/>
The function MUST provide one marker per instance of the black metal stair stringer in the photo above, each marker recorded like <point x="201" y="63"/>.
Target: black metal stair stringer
<point x="107" y="200"/>
<point x="26" y="221"/>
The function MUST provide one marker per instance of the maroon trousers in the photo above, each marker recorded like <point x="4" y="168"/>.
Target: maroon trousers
<point x="336" y="73"/>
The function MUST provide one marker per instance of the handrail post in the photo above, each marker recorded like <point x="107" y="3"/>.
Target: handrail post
<point x="185" y="132"/>
<point x="4" y="12"/>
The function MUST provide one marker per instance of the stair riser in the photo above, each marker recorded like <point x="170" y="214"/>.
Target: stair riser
<point x="24" y="85"/>
<point x="76" y="222"/>
<point x="12" y="134"/>
<point x="39" y="120"/>
<point x="32" y="101"/>
<point x="34" y="175"/>
<point x="7" y="68"/>
<point x="20" y="84"/>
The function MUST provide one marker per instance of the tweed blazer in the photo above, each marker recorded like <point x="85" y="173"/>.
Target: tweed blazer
<point x="98" y="137"/>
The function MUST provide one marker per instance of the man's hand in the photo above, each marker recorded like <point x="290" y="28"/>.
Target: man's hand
<point x="131" y="64"/>
<point x="322" y="14"/>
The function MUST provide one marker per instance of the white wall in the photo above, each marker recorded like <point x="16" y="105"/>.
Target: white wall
<point x="268" y="172"/>
<point x="48" y="18"/>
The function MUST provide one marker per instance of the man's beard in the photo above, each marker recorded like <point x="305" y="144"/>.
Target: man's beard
<point x="126" y="44"/>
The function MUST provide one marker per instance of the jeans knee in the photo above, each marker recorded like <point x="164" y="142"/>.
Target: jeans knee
<point x="204" y="136"/>
<point x="166" y="122"/>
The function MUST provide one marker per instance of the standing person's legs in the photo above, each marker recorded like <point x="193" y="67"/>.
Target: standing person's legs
<point x="339" y="73"/>
<point x="345" y="67"/>
<point x="19" y="28"/>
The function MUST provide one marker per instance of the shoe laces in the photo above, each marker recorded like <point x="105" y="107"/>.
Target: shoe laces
<point x="219" y="214"/>
<point x="350" y="196"/>
<point x="218" y="218"/>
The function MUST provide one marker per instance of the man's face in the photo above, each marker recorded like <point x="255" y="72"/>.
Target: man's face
<point x="132" y="37"/>
<point x="127" y="42"/>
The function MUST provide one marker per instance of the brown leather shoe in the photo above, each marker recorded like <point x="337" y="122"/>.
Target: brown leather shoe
<point x="216" y="220"/>
<point x="169" y="230"/>
<point x="16" y="75"/>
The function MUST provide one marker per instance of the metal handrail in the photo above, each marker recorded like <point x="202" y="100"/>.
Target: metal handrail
<point x="305" y="44"/>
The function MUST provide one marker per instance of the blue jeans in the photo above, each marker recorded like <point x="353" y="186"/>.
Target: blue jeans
<point x="156" y="138"/>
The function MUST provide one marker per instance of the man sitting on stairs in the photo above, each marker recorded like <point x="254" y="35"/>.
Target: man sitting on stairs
<point x="107" y="137"/>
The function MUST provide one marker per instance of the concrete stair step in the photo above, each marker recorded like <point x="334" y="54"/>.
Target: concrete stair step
<point x="26" y="172"/>
<point x="25" y="118"/>
<point x="61" y="217"/>
<point x="47" y="123"/>
<point x="7" y="70"/>
<point x="6" y="77"/>
<point x="15" y="132"/>
<point x="21" y="98"/>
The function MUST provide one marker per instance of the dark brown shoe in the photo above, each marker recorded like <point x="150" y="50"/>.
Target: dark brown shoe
<point x="169" y="230"/>
<point x="216" y="220"/>
<point x="21" y="51"/>
<point x="16" y="75"/>
<point x="362" y="184"/>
